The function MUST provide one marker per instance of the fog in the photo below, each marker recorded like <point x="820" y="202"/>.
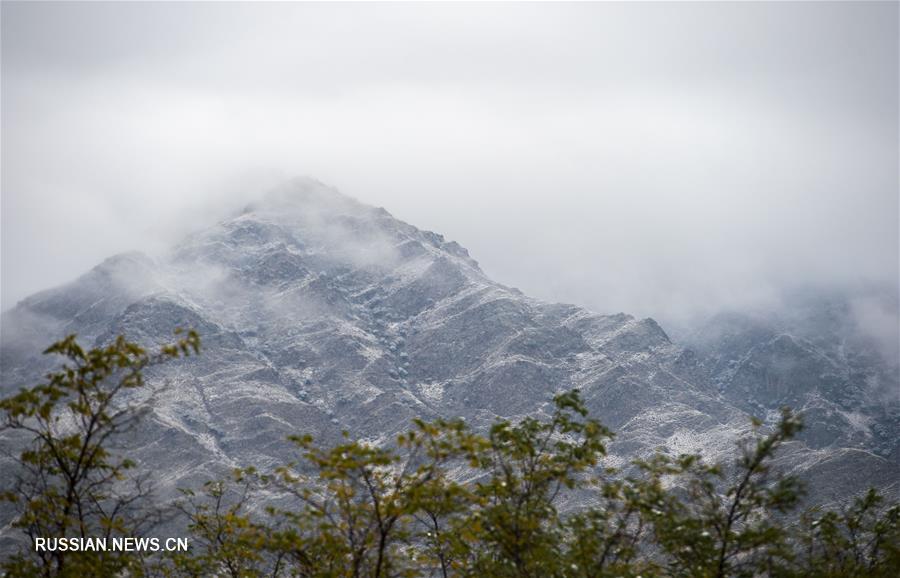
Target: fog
<point x="659" y="159"/>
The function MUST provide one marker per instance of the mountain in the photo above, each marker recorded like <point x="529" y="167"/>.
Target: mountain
<point x="320" y="314"/>
<point x="832" y="355"/>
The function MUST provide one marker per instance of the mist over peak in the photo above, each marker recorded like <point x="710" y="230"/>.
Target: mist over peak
<point x="672" y="173"/>
<point x="304" y="194"/>
<point x="303" y="217"/>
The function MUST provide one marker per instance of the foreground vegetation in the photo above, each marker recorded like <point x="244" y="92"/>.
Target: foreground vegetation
<point x="526" y="499"/>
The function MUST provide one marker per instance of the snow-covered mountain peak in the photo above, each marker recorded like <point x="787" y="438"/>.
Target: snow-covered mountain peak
<point x="305" y="224"/>
<point x="305" y="197"/>
<point x="319" y="313"/>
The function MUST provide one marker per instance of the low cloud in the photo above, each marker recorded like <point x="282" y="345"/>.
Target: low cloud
<point x="594" y="154"/>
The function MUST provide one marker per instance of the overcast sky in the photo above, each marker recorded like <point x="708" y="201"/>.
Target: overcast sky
<point x="658" y="159"/>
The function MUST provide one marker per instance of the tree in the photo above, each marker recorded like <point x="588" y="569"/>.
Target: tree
<point x="609" y="538"/>
<point x="862" y="539"/>
<point x="70" y="483"/>
<point x="707" y="532"/>
<point x="226" y="539"/>
<point x="362" y="512"/>
<point x="514" y="527"/>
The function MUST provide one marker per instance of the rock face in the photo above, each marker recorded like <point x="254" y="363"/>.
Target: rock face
<point x="820" y="356"/>
<point x="319" y="314"/>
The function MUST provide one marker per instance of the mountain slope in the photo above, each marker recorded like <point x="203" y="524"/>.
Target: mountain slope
<point x="319" y="314"/>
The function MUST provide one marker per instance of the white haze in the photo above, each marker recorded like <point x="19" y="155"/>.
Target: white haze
<point x="659" y="159"/>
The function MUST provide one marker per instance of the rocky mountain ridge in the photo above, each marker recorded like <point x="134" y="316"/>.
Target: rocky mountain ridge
<point x="320" y="314"/>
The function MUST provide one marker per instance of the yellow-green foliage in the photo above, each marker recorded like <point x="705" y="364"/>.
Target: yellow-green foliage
<point x="69" y="484"/>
